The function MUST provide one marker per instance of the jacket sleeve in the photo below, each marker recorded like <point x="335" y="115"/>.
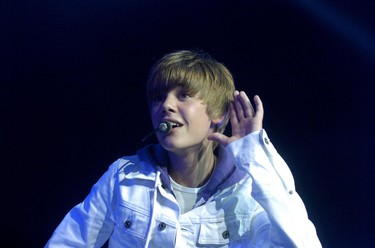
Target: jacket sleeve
<point x="89" y="224"/>
<point x="285" y="222"/>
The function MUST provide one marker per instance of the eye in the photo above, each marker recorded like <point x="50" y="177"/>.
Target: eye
<point x="184" y="96"/>
<point x="158" y="99"/>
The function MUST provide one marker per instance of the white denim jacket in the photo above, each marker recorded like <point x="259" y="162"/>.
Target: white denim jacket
<point x="250" y="201"/>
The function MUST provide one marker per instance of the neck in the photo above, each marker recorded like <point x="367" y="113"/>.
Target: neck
<point x="193" y="168"/>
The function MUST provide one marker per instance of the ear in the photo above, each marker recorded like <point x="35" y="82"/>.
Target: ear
<point x="217" y="121"/>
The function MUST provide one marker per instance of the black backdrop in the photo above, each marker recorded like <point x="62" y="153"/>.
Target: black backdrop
<point x="72" y="98"/>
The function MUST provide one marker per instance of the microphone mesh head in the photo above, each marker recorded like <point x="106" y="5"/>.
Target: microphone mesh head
<point x="165" y="127"/>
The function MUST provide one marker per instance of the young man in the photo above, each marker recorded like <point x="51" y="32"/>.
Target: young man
<point x="197" y="187"/>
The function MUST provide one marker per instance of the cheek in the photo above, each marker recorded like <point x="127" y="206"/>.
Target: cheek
<point x="200" y="118"/>
<point x="153" y="117"/>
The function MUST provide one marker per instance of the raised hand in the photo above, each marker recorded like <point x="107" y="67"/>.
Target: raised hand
<point x="244" y="118"/>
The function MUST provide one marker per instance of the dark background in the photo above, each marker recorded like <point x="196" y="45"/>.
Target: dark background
<point x="72" y="98"/>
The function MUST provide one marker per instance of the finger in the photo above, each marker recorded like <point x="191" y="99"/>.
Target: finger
<point x="238" y="106"/>
<point x="218" y="137"/>
<point x="258" y="107"/>
<point x="233" y="115"/>
<point x="246" y="105"/>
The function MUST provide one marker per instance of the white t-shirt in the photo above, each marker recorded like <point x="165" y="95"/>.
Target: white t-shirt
<point x="185" y="196"/>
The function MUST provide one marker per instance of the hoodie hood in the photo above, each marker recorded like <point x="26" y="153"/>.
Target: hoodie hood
<point x="156" y="157"/>
<point x="225" y="173"/>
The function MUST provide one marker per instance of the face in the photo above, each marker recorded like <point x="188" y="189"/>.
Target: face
<point x="188" y="113"/>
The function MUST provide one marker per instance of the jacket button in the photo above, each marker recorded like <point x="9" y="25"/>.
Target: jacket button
<point x="162" y="226"/>
<point x="128" y="224"/>
<point x="226" y="234"/>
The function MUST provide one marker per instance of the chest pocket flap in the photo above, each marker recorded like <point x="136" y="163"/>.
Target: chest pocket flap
<point x="224" y="231"/>
<point x="132" y="220"/>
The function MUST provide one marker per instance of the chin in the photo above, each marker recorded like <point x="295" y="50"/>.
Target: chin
<point x="169" y="146"/>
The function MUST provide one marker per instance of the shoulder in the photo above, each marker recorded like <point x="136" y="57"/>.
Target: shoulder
<point x="131" y="166"/>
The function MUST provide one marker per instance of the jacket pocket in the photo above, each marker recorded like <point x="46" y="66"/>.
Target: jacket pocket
<point x="224" y="231"/>
<point x="131" y="221"/>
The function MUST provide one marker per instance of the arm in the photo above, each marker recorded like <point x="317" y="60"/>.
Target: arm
<point x="88" y="224"/>
<point x="285" y="223"/>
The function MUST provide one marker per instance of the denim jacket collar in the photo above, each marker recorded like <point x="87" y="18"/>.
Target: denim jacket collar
<point x="225" y="174"/>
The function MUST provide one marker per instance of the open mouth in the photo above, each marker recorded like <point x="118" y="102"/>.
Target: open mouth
<point x="174" y="125"/>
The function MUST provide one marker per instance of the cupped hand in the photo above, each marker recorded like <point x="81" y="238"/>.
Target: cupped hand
<point x="244" y="118"/>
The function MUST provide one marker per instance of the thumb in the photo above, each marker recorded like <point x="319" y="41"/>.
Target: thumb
<point x="218" y="137"/>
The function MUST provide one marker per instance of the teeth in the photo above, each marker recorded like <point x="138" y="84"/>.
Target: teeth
<point x="174" y="124"/>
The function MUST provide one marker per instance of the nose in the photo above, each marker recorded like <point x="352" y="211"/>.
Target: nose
<point x="169" y="104"/>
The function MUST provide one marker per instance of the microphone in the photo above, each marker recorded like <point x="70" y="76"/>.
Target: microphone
<point x="164" y="127"/>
